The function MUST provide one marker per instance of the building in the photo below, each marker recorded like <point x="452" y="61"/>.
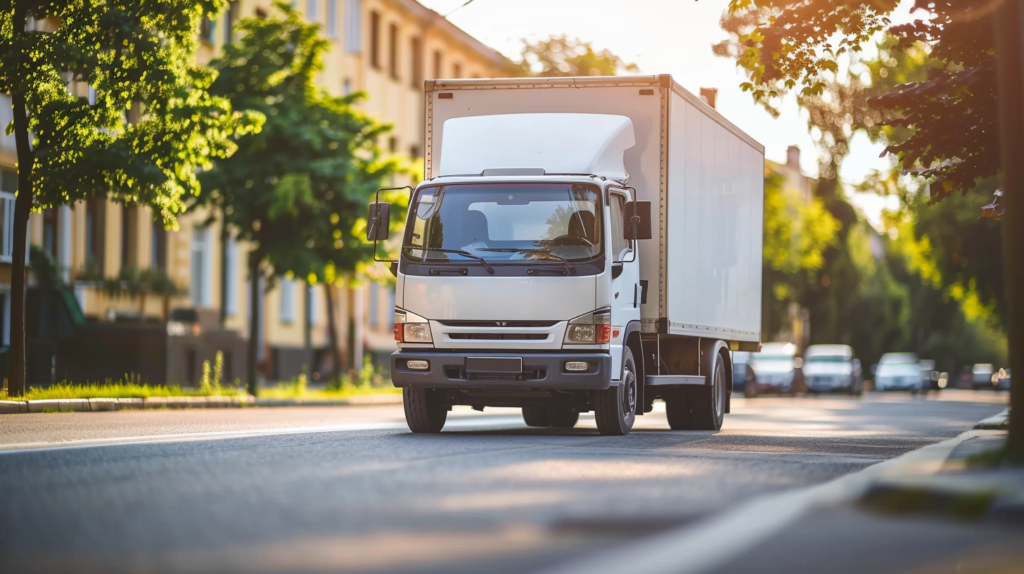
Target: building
<point x="386" y="48"/>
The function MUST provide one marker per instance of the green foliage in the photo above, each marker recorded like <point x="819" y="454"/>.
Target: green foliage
<point x="45" y="268"/>
<point x="561" y="56"/>
<point x="152" y="125"/>
<point x="947" y="112"/>
<point x="298" y="189"/>
<point x="130" y="388"/>
<point x="210" y="383"/>
<point x="135" y="282"/>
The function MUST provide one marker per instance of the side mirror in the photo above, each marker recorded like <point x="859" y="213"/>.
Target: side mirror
<point x="637" y="224"/>
<point x="378" y="223"/>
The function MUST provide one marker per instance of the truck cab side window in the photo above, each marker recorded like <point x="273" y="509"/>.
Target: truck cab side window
<point x="619" y="244"/>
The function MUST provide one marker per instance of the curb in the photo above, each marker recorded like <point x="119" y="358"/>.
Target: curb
<point x="152" y="403"/>
<point x="695" y="549"/>
<point x="994" y="422"/>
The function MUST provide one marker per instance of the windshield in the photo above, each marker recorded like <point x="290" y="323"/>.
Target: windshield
<point x="761" y="358"/>
<point x="505" y="223"/>
<point x="827" y="359"/>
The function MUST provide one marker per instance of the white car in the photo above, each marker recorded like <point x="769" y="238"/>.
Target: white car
<point x="898" y="372"/>
<point x="775" y="369"/>
<point x="983" y="376"/>
<point x="832" y="368"/>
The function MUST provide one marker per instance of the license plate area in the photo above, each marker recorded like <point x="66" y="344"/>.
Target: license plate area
<point x="494" y="365"/>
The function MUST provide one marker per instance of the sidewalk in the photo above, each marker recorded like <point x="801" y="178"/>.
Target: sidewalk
<point x="110" y="404"/>
<point x="953" y="514"/>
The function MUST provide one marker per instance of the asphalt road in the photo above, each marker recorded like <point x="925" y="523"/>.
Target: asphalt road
<point x="350" y="489"/>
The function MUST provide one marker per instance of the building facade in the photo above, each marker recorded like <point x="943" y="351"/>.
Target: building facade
<point x="385" y="48"/>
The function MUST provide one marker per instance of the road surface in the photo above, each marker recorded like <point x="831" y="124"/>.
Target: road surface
<point x="350" y="489"/>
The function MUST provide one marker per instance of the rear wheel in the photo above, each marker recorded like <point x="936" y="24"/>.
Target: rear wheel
<point x="700" y="407"/>
<point x="424" y="411"/>
<point x="615" y="408"/>
<point x="535" y="416"/>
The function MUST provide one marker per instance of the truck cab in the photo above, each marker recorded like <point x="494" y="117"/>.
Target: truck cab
<point x="520" y="279"/>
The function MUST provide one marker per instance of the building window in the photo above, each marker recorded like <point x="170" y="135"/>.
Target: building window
<point x="392" y="144"/>
<point x="50" y="231"/>
<point x="393" y="51"/>
<point x="332" y="18"/>
<point x="94" y="234"/>
<point x="415" y="152"/>
<point x="230" y="18"/>
<point x="373" y="312"/>
<point x="346" y="87"/>
<point x="438" y="65"/>
<point x="200" y="287"/>
<point x="287" y="307"/>
<point x="8" y="185"/>
<point x="128" y="236"/>
<point x="158" y="245"/>
<point x="311" y="295"/>
<point x="230" y="276"/>
<point x="416" y="69"/>
<point x="311" y="6"/>
<point x="353" y="26"/>
<point x="457" y="71"/>
<point x="375" y="40"/>
<point x="208" y="29"/>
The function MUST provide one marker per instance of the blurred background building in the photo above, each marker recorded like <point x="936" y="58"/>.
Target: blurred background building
<point x="385" y="48"/>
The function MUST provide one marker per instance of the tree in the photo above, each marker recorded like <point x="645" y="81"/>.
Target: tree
<point x="297" y="190"/>
<point x="957" y="136"/>
<point x="561" y="56"/>
<point x="148" y="126"/>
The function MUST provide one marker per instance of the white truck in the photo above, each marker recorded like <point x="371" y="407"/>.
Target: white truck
<point x="578" y="244"/>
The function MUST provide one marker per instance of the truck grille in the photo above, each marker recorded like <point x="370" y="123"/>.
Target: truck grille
<point x="493" y="324"/>
<point x="498" y="336"/>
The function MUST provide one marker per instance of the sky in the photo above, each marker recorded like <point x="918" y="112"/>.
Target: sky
<point x="665" y="36"/>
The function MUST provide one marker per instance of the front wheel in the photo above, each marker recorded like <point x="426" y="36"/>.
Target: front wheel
<point x="615" y="408"/>
<point x="424" y="411"/>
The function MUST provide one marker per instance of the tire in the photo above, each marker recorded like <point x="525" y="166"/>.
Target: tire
<point x="535" y="416"/>
<point x="562" y="417"/>
<point x="424" y="411"/>
<point x="615" y="408"/>
<point x="700" y="407"/>
<point x="749" y="390"/>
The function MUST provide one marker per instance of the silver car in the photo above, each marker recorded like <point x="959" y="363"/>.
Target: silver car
<point x="898" y="372"/>
<point x="832" y="368"/>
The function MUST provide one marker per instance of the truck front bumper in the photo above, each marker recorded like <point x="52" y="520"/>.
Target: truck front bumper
<point x="547" y="371"/>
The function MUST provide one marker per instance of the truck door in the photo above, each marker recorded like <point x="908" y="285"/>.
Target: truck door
<point x="625" y="277"/>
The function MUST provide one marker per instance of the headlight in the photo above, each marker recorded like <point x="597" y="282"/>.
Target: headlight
<point x="591" y="329"/>
<point x="411" y="328"/>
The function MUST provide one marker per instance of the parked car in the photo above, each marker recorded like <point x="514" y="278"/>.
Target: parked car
<point x="930" y="380"/>
<point x="983" y="376"/>
<point x="898" y="371"/>
<point x="832" y="368"/>
<point x="1003" y="381"/>
<point x="742" y="373"/>
<point x="775" y="369"/>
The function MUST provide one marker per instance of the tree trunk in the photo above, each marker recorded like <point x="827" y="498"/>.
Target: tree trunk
<point x="1009" y="24"/>
<point x="255" y="321"/>
<point x="22" y="210"/>
<point x="332" y="331"/>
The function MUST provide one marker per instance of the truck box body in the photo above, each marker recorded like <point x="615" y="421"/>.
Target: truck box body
<point x="704" y="177"/>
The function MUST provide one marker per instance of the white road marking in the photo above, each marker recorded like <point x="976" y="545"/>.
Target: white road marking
<point x="452" y="424"/>
<point x="700" y="547"/>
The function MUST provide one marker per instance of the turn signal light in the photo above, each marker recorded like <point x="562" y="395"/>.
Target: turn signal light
<point x="398" y="332"/>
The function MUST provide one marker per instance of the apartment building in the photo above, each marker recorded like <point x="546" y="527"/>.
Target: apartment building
<point x="386" y="48"/>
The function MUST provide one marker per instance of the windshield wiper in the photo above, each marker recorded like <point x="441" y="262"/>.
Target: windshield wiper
<point x="462" y="252"/>
<point x="562" y="260"/>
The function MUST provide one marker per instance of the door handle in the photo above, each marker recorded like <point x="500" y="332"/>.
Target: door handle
<point x="635" y="287"/>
